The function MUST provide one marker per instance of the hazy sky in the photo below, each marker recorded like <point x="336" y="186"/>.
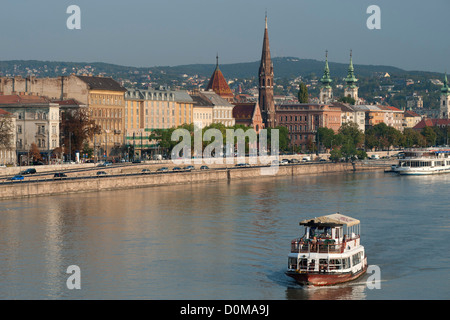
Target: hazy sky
<point x="414" y="34"/>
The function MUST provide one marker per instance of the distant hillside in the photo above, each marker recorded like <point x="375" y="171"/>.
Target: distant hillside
<point x="286" y="67"/>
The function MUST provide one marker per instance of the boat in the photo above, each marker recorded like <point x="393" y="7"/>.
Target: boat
<point x="424" y="162"/>
<point x="328" y="253"/>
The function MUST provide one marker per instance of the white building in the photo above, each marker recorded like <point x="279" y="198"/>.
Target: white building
<point x="37" y="121"/>
<point x="222" y="109"/>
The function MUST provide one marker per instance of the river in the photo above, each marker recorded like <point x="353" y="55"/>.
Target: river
<point x="224" y="240"/>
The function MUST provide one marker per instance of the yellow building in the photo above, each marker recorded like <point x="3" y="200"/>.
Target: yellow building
<point x="146" y="110"/>
<point x="106" y="106"/>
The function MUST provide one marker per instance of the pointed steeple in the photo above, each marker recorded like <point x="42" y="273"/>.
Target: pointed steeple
<point x="326" y="80"/>
<point x="265" y="56"/>
<point x="351" y="79"/>
<point x="265" y="99"/>
<point x="445" y="89"/>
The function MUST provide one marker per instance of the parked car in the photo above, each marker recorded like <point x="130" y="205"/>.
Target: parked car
<point x="136" y="161"/>
<point x="284" y="161"/>
<point x="242" y="165"/>
<point x="176" y="169"/>
<point x="163" y="169"/>
<point x="307" y="158"/>
<point x="189" y="168"/>
<point x="295" y="161"/>
<point x="101" y="173"/>
<point x="322" y="160"/>
<point x="16" y="178"/>
<point x="59" y="175"/>
<point x="104" y="164"/>
<point x="145" y="171"/>
<point x="374" y="157"/>
<point x="29" y="171"/>
<point x="204" y="168"/>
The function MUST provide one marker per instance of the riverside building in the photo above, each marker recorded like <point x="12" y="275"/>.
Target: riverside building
<point x="146" y="110"/>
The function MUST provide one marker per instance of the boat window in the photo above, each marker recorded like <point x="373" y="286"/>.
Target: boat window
<point x="335" y="264"/>
<point x="292" y="263"/>
<point x="346" y="263"/>
<point x="356" y="258"/>
<point x="303" y="263"/>
<point x="320" y="232"/>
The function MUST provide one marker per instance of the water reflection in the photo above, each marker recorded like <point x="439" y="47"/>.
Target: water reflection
<point x="355" y="291"/>
<point x="218" y="240"/>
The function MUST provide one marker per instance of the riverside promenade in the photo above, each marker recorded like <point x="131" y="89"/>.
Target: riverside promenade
<point x="83" y="178"/>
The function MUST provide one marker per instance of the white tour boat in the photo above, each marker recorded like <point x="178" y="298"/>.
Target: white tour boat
<point x="424" y="162"/>
<point x="328" y="253"/>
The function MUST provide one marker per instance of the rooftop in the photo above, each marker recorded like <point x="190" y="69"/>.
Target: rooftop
<point x="102" y="83"/>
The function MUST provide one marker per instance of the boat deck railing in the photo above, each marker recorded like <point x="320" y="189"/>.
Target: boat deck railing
<point x="319" y="246"/>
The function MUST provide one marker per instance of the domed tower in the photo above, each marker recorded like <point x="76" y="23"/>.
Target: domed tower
<point x="351" y="89"/>
<point x="445" y="100"/>
<point x="326" y="92"/>
<point x="265" y="85"/>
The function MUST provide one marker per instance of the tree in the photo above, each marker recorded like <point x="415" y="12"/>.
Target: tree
<point x="412" y="138"/>
<point x="327" y="137"/>
<point x="35" y="154"/>
<point x="303" y="93"/>
<point x="6" y="131"/>
<point x="283" y="134"/>
<point x="382" y="136"/>
<point x="348" y="100"/>
<point x="350" y="131"/>
<point x="429" y="135"/>
<point x="77" y="128"/>
<point x="335" y="155"/>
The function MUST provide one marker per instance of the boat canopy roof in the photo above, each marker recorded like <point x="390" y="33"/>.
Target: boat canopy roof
<point x="335" y="219"/>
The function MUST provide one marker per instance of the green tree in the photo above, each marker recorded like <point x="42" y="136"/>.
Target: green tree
<point x="351" y="131"/>
<point x="326" y="137"/>
<point x="303" y="96"/>
<point x="348" y="100"/>
<point x="430" y="136"/>
<point x="412" y="138"/>
<point x="335" y="155"/>
<point x="283" y="135"/>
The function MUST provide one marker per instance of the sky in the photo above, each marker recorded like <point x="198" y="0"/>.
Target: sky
<point x="414" y="34"/>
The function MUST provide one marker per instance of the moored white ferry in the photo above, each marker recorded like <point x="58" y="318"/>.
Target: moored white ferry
<point x="424" y="162"/>
<point x="328" y="253"/>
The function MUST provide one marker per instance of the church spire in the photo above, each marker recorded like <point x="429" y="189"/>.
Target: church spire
<point x="265" y="99"/>
<point x="445" y="89"/>
<point x="351" y="79"/>
<point x="326" y="80"/>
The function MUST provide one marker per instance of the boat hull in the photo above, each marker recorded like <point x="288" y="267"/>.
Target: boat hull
<point x="423" y="172"/>
<point x="324" y="279"/>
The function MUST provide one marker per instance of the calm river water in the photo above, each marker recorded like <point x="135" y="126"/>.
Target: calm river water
<point x="224" y="240"/>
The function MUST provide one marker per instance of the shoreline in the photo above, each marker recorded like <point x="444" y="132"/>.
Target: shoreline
<point x="133" y="181"/>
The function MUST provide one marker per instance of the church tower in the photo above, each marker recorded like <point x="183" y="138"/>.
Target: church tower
<point x="326" y="92"/>
<point x="219" y="85"/>
<point x="351" y="89"/>
<point x="265" y="85"/>
<point x="445" y="100"/>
